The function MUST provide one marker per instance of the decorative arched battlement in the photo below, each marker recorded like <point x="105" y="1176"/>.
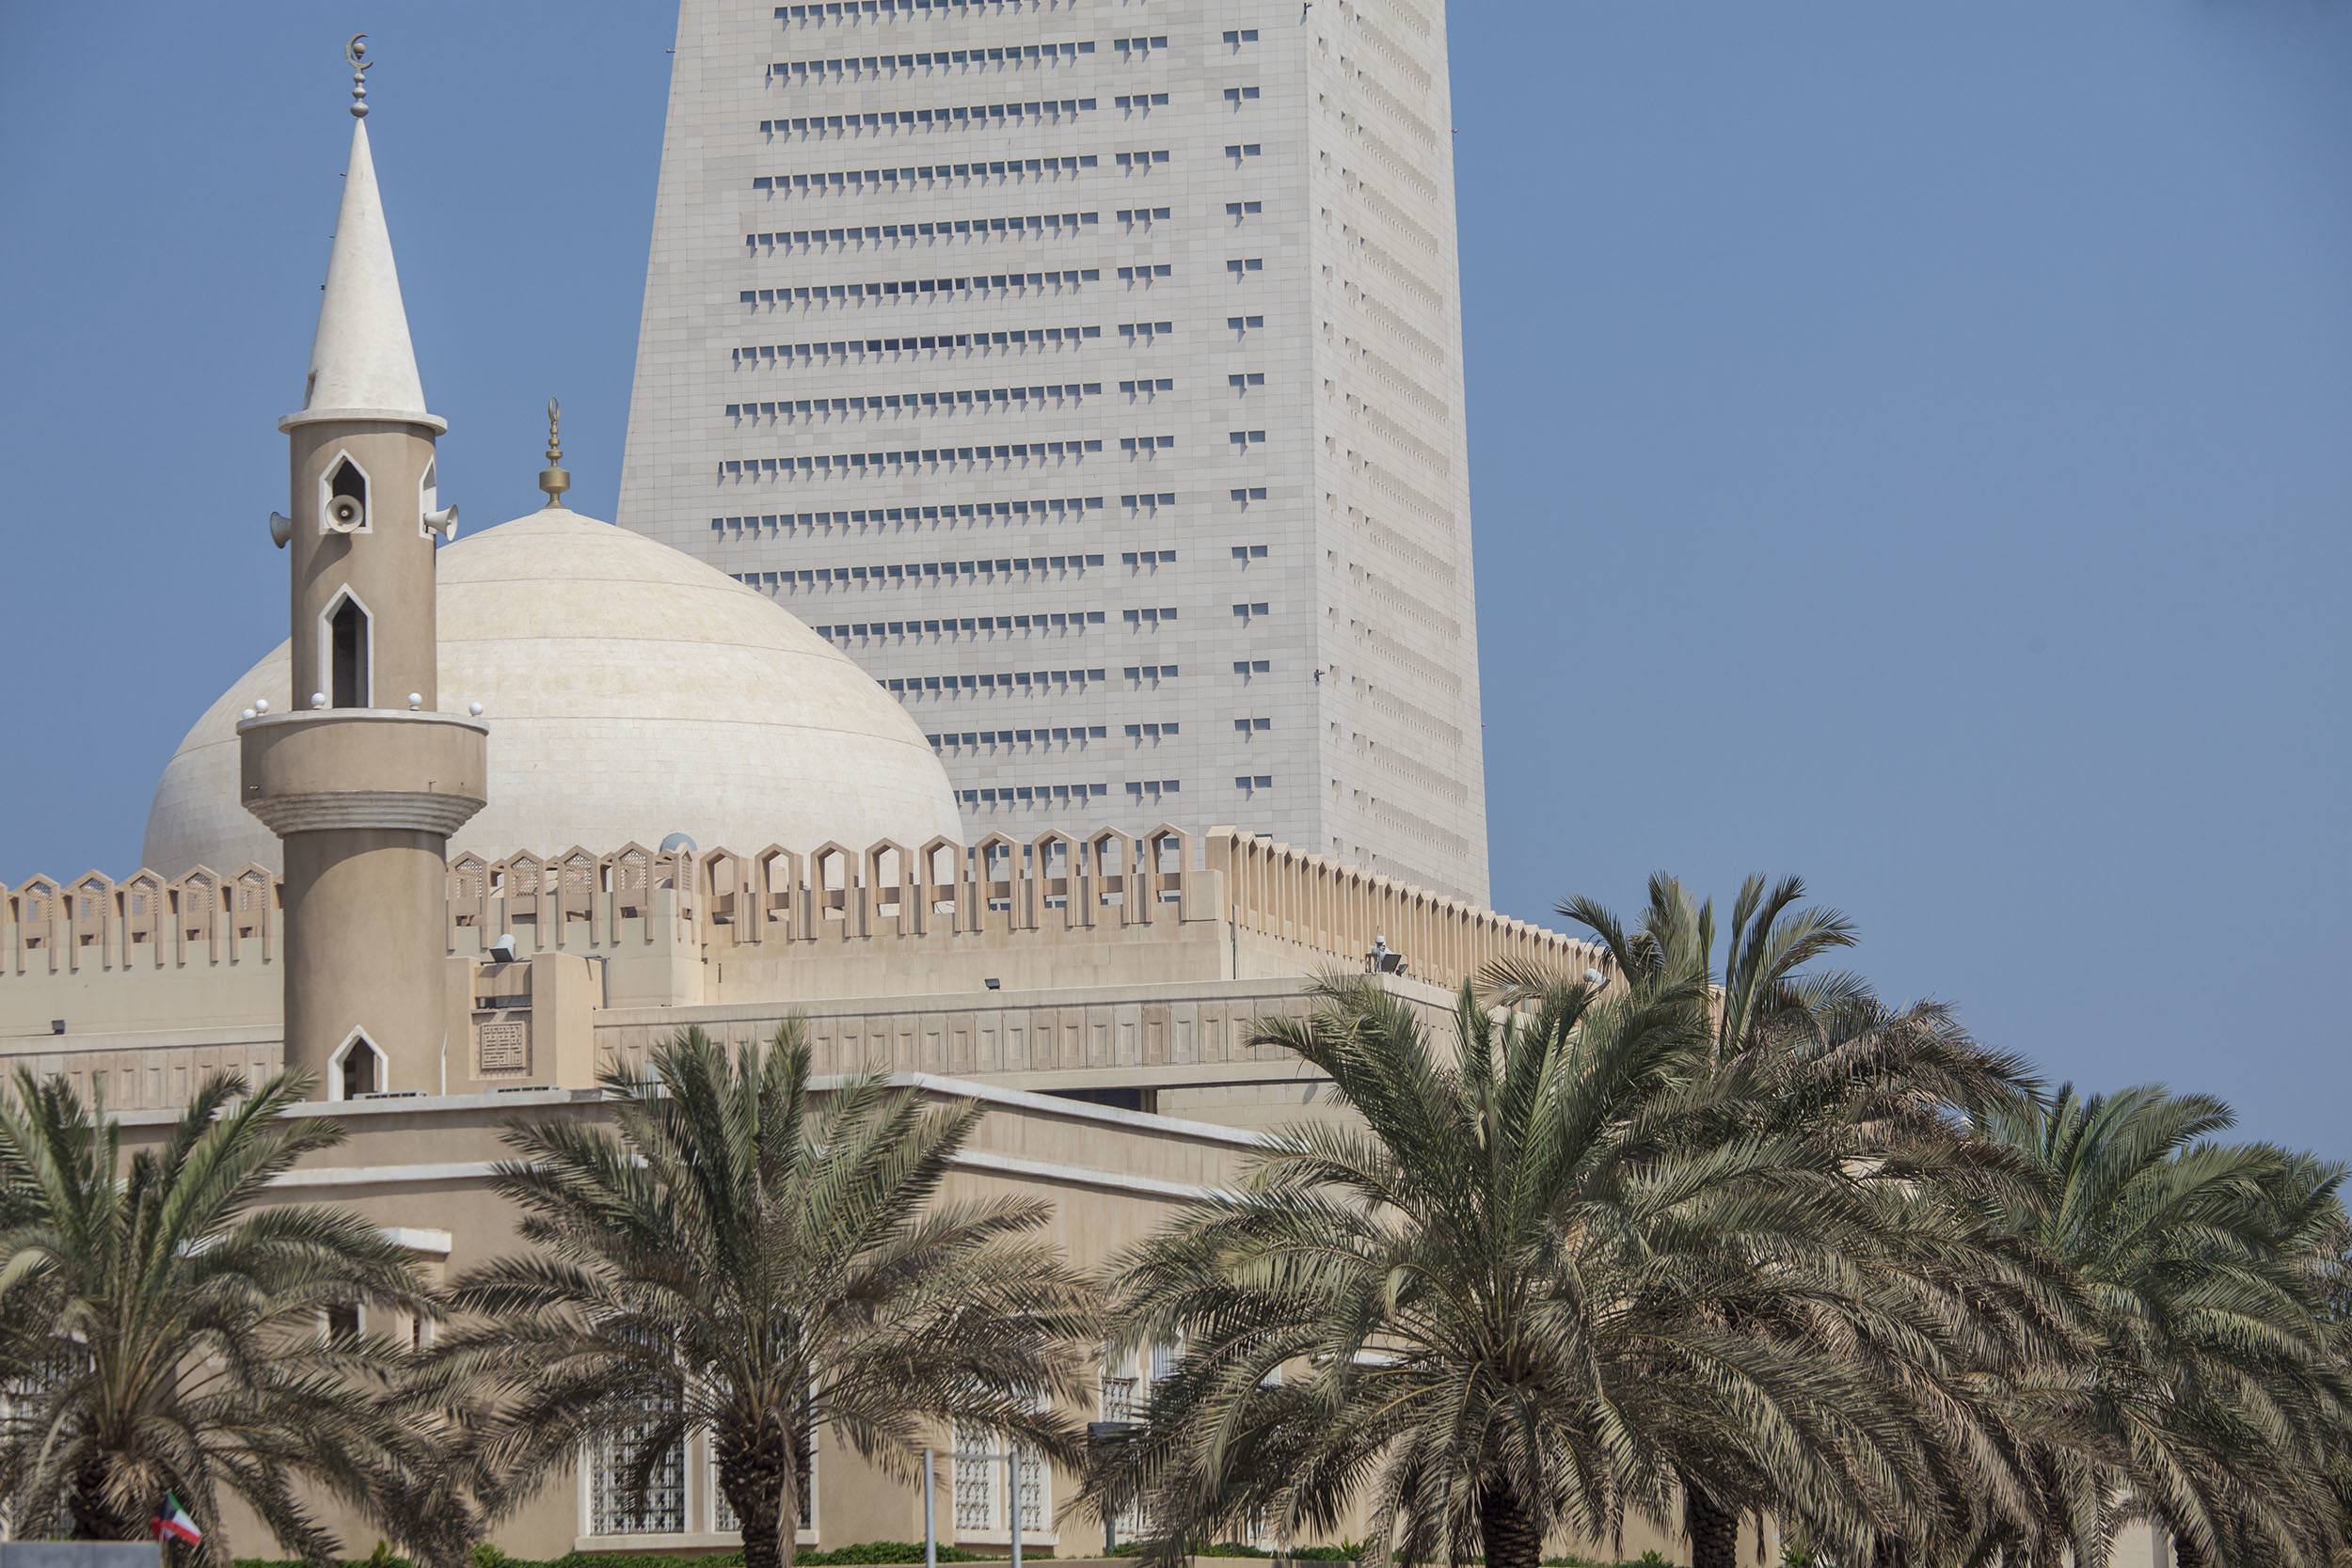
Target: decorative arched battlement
<point x="578" y="880"/>
<point x="89" y="905"/>
<point x="1336" y="908"/>
<point x="35" y="913"/>
<point x="520" y="881"/>
<point x="469" y="891"/>
<point x="672" y="872"/>
<point x="943" y="898"/>
<point x="889" y="871"/>
<point x="776" y="879"/>
<point x="998" y="861"/>
<point x="832" y="871"/>
<point x="140" y="905"/>
<point x="197" y="914"/>
<point x="254" y="898"/>
<point x="631" y="897"/>
<point x="726" y="887"/>
<point x="1111" y="857"/>
<point x="1056" y="877"/>
<point x="628" y="876"/>
<point x="1164" y="854"/>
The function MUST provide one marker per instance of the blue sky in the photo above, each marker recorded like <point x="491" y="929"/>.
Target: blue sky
<point x="1912" y="446"/>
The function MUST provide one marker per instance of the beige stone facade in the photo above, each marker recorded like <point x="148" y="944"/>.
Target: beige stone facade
<point x="420" y="1168"/>
<point x="1095" y="996"/>
<point x="1113" y="965"/>
<point x="1028" y="974"/>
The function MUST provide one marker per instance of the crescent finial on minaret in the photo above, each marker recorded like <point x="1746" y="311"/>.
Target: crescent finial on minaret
<point x="356" y="53"/>
<point x="553" y="480"/>
<point x="361" y="356"/>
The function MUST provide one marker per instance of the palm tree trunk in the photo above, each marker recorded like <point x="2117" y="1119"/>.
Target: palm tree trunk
<point x="755" y="1472"/>
<point x="1510" y="1536"/>
<point x="1713" y="1530"/>
<point x="2188" y="1553"/>
<point x="788" y="1513"/>
<point x="93" y="1519"/>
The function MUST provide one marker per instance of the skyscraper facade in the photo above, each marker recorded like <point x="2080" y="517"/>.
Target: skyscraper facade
<point x="1090" y="371"/>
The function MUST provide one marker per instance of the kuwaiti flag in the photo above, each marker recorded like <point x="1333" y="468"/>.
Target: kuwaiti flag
<point x="171" y="1523"/>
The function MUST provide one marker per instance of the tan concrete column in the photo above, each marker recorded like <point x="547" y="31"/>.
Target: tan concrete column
<point x="357" y="959"/>
<point x="365" y="801"/>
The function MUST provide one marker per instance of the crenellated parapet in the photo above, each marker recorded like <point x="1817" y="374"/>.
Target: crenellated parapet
<point x="145" y="922"/>
<point x="1328" y="906"/>
<point x="1089" y="958"/>
<point x="731" y="907"/>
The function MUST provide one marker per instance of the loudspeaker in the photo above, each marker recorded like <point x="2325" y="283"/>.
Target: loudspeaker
<point x="280" y="529"/>
<point x="346" y="513"/>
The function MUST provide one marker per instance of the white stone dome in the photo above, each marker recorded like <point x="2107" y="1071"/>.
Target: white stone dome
<point x="632" y="692"/>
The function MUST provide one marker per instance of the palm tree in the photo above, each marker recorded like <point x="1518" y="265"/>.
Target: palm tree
<point x="2218" y="1395"/>
<point x="162" y="1331"/>
<point x="1935" y="1301"/>
<point x="751" y="1257"/>
<point x="1494" y="1312"/>
<point x="1873" y="1078"/>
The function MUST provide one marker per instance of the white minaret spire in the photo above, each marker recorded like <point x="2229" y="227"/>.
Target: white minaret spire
<point x="365" y="785"/>
<point x="361" y="360"/>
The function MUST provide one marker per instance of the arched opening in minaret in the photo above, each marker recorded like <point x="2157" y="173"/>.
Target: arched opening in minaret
<point x="348" y="684"/>
<point x="346" y="499"/>
<point x="357" y="1070"/>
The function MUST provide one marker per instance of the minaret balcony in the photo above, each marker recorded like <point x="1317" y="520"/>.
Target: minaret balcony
<point x="364" y="767"/>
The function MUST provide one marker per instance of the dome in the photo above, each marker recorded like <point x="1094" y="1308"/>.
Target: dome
<point x="632" y="692"/>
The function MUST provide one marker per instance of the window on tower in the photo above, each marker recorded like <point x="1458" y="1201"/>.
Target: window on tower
<point x="346" y="499"/>
<point x="347" y="654"/>
<point x="357" y="1070"/>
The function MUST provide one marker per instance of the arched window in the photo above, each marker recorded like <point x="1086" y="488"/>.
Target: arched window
<point x="433" y="520"/>
<point x="350" y="681"/>
<point x="344" y="502"/>
<point x="357" y="1070"/>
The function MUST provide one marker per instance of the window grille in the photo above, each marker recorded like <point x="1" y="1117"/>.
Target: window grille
<point x="975" y="1481"/>
<point x="615" y="1453"/>
<point x="1031" y="1468"/>
<point x="980" y="1484"/>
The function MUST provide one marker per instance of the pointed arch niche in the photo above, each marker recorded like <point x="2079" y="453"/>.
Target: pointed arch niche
<point x="357" y="1068"/>
<point x="345" y="481"/>
<point x="347" y="652"/>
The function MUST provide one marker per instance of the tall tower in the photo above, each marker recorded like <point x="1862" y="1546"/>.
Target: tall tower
<point x="366" y="781"/>
<point x="1090" y="371"/>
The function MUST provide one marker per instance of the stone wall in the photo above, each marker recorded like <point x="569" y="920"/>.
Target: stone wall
<point x="1057" y="955"/>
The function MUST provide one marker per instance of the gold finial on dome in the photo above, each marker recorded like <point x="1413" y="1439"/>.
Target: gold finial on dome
<point x="553" y="479"/>
<point x="356" y="53"/>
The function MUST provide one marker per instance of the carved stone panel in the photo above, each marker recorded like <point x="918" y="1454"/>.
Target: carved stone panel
<point x="502" y="1045"/>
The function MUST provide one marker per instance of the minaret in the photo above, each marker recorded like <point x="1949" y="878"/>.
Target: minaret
<point x="364" y="781"/>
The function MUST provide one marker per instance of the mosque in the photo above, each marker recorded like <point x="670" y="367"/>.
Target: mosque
<point x="510" y="805"/>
